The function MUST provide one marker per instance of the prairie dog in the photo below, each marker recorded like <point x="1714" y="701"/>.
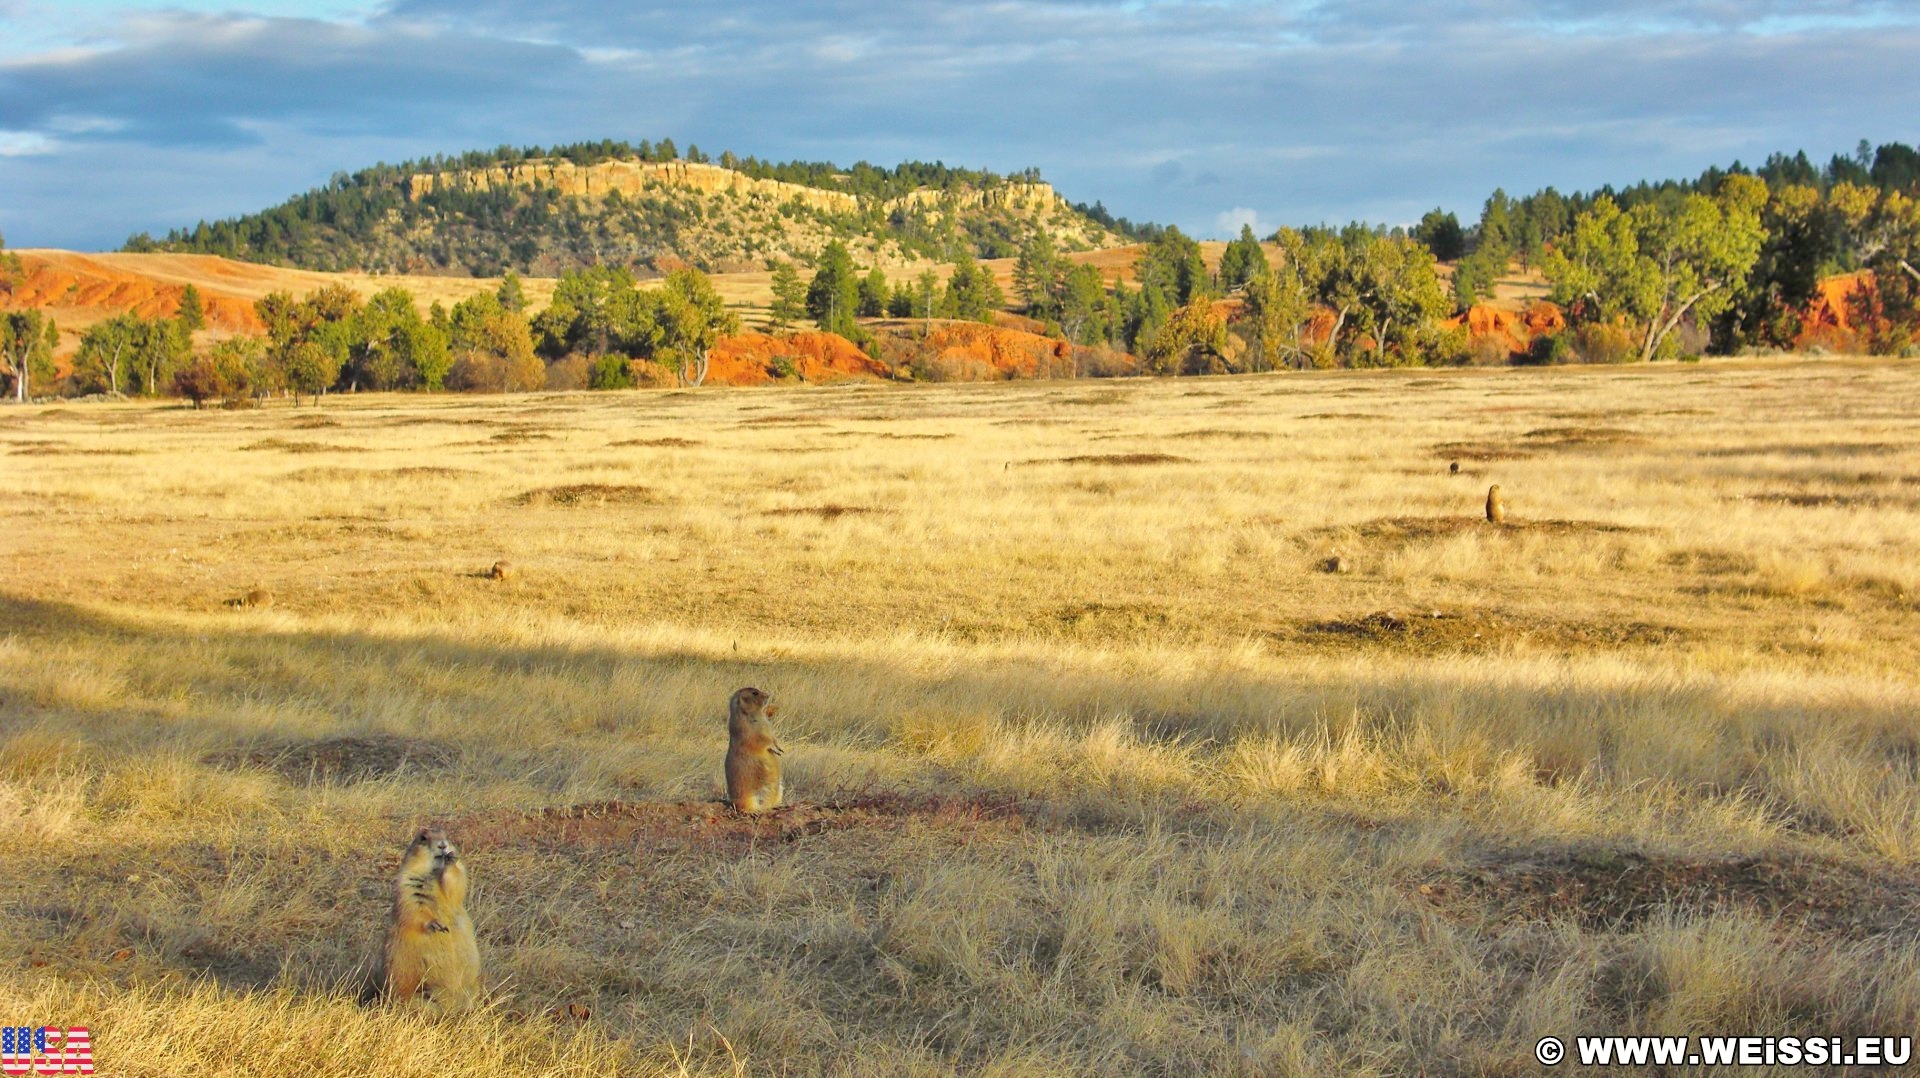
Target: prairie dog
<point x="1453" y="467"/>
<point x="502" y="570"/>
<point x="254" y="599"/>
<point x="753" y="754"/>
<point x="1496" y="505"/>
<point x="432" y="960"/>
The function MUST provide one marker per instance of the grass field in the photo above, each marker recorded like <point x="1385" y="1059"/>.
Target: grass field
<point x="1096" y="769"/>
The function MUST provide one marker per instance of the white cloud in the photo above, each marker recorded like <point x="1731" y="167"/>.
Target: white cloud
<point x="24" y="144"/>
<point x="1228" y="223"/>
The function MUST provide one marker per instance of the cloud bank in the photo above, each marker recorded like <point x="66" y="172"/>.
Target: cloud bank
<point x="1200" y="114"/>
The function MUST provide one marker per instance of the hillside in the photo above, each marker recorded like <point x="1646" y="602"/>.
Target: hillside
<point x="544" y="215"/>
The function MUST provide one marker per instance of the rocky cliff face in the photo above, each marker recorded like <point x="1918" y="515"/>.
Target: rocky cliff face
<point x="646" y="180"/>
<point x="634" y="179"/>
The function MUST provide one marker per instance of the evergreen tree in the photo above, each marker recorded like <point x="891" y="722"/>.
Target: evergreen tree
<point x="193" y="313"/>
<point x="834" y="296"/>
<point x="789" y="297"/>
<point x="512" y="294"/>
<point x="1242" y="259"/>
<point x="874" y="294"/>
<point x="972" y="293"/>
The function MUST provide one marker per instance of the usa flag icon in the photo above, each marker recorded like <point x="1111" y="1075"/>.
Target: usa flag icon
<point x="32" y="1050"/>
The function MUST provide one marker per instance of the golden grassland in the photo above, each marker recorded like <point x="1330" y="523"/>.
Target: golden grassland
<point x="1098" y="769"/>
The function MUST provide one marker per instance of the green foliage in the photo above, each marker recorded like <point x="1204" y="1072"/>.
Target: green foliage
<point x="595" y="311"/>
<point x="1660" y="262"/>
<point x="193" y="312"/>
<point x="1278" y="304"/>
<point x="27" y="340"/>
<point x="789" y="297"/>
<point x="1038" y="276"/>
<point x="1241" y="261"/>
<point x="611" y="372"/>
<point x="1441" y="233"/>
<point x="1474" y="276"/>
<point x="972" y="293"/>
<point x="1192" y="341"/>
<point x="833" y="297"/>
<point x="104" y="362"/>
<point x="1172" y="266"/>
<point x="874" y="294"/>
<point x="691" y="316"/>
<point x="1087" y="314"/>
<point x="512" y="294"/>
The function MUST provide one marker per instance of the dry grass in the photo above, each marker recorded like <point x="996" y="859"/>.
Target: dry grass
<point x="1096" y="771"/>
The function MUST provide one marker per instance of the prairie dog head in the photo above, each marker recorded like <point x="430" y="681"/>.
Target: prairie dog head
<point x="1493" y="491"/>
<point x="430" y="852"/>
<point x="747" y="725"/>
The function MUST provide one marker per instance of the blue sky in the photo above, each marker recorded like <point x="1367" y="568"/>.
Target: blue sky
<point x="117" y="117"/>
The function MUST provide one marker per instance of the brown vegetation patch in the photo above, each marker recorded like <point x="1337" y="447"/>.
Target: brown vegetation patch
<point x="659" y="826"/>
<point x="285" y="446"/>
<point x="580" y="495"/>
<point x="1342" y="415"/>
<point x="313" y="422"/>
<point x="1829" y="500"/>
<point x="1712" y="562"/>
<point x="1221" y="432"/>
<point x="890" y="435"/>
<point x="1107" y="618"/>
<point x="1605" y="888"/>
<point x="783" y="421"/>
<point x="1099" y="397"/>
<point x="1421" y="529"/>
<point x="1440" y="631"/>
<point x="342" y="759"/>
<point x="1115" y="458"/>
<point x="656" y="443"/>
<point x="1828" y="449"/>
<point x="515" y="437"/>
<point x="824" y="512"/>
<point x="1480" y="451"/>
<point x="1569" y="437"/>
<point x="424" y="471"/>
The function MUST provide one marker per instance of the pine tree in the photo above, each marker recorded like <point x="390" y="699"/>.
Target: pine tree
<point x="789" y="298"/>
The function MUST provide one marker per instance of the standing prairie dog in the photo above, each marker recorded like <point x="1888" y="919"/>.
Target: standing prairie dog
<point x="432" y="961"/>
<point x="753" y="753"/>
<point x="502" y="570"/>
<point x="1496" y="506"/>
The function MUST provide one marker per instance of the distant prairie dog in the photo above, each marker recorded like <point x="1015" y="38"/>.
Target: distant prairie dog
<point x="753" y="753"/>
<point x="502" y="570"/>
<point x="254" y="599"/>
<point x="1496" y="505"/>
<point x="432" y="961"/>
<point x="1453" y="467"/>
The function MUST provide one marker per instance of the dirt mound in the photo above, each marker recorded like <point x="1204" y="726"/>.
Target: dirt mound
<point x="1435" y="631"/>
<point x="954" y="351"/>
<point x="587" y="495"/>
<point x="824" y="512"/>
<point x="342" y="759"/>
<point x="753" y="359"/>
<point x="655" y="443"/>
<point x="1827" y="320"/>
<point x="1605" y="888"/>
<point x="679" y="825"/>
<point x="1514" y="329"/>
<point x="80" y="290"/>
<point x="1116" y="458"/>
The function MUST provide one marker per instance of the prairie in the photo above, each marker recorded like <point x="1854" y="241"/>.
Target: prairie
<point x="1094" y="766"/>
